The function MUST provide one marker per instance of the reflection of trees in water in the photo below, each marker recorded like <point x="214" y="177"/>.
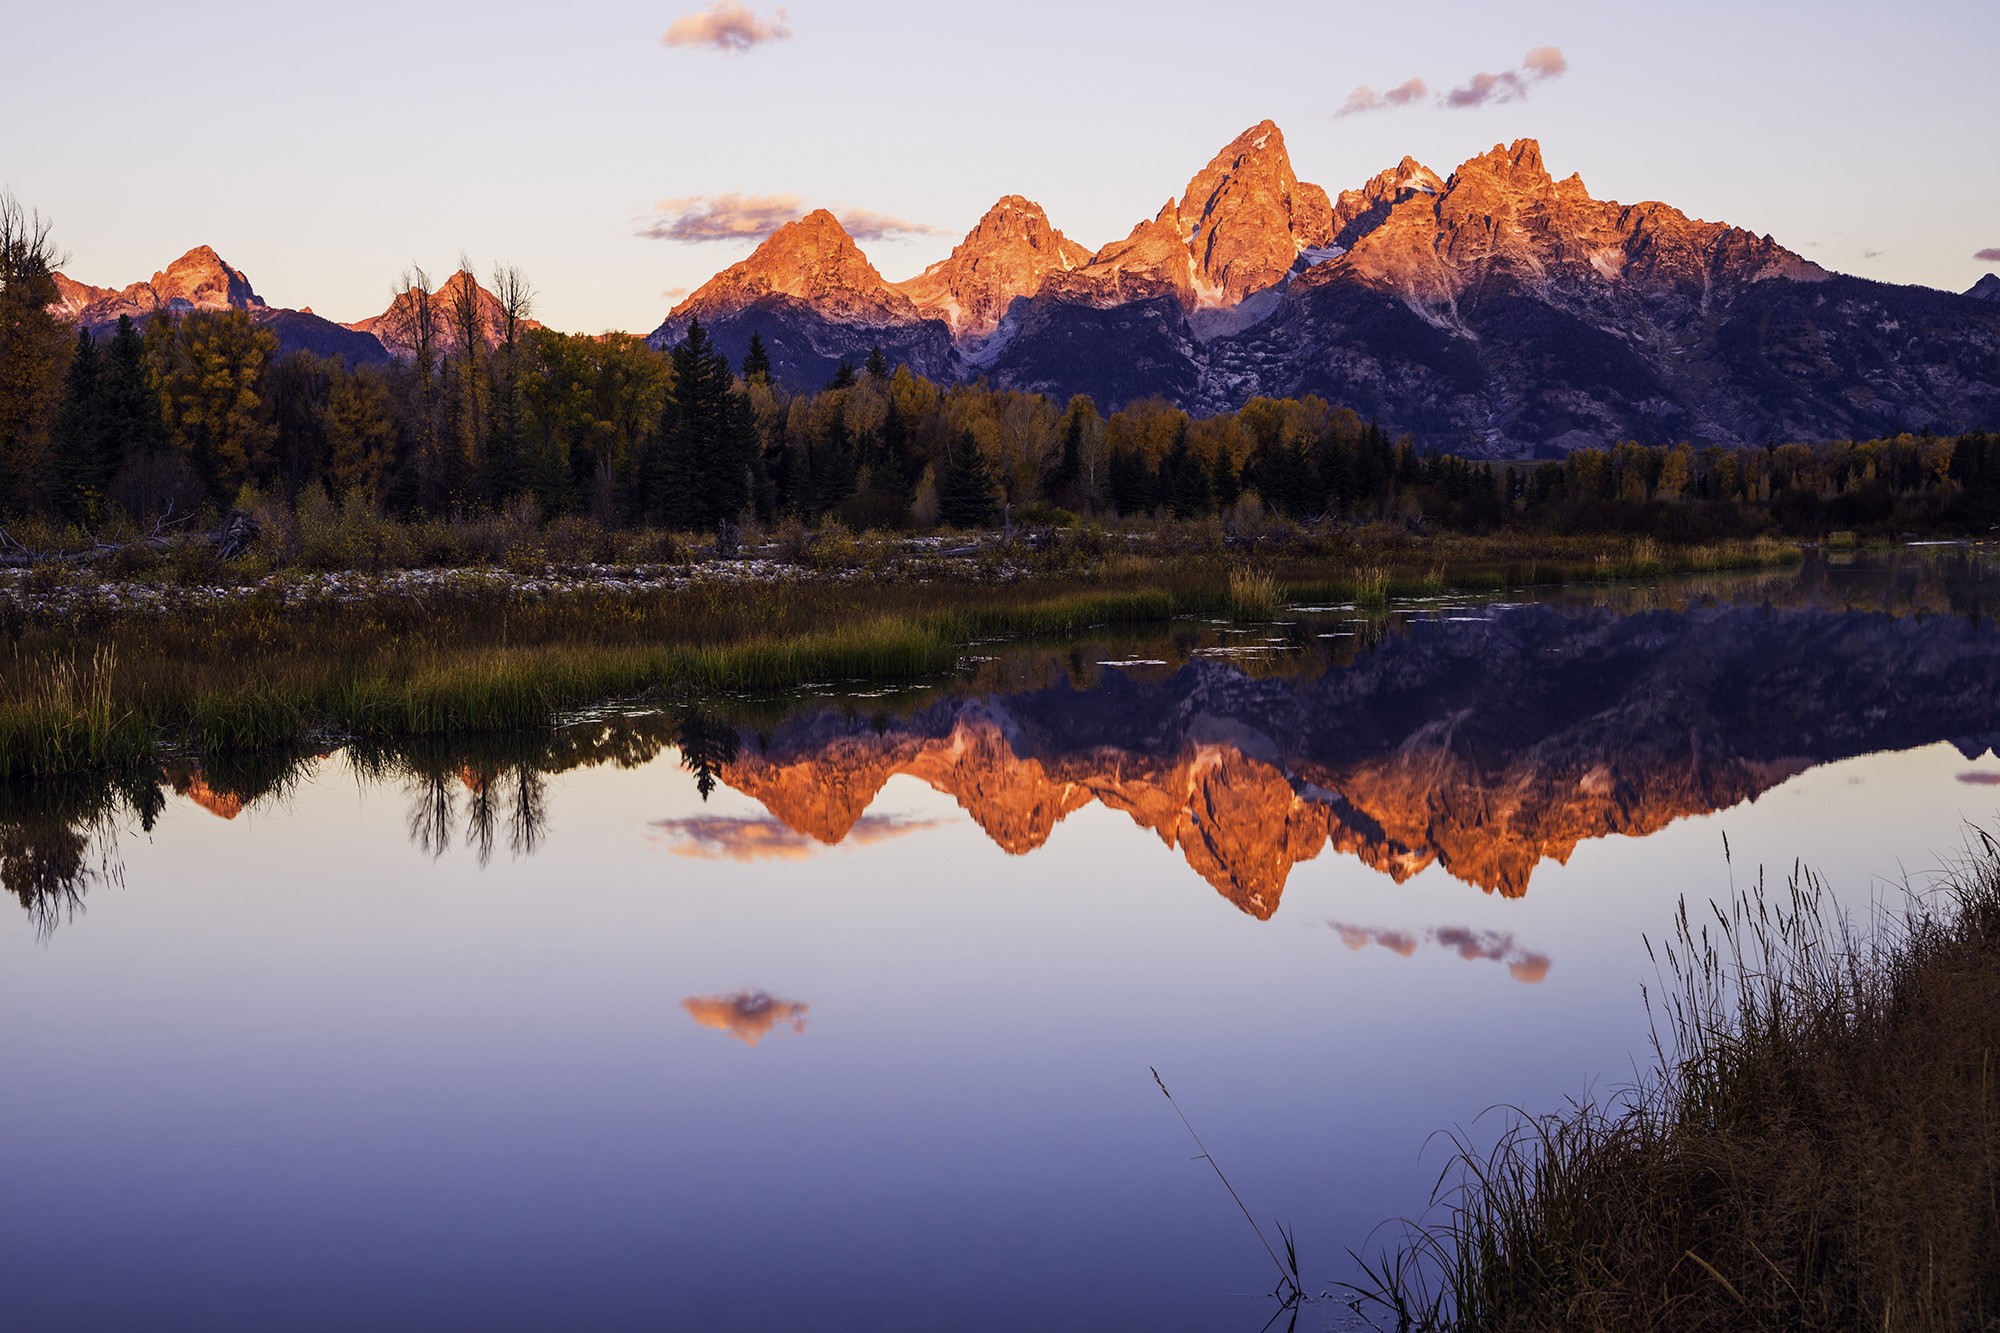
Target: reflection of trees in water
<point x="482" y="791"/>
<point x="58" y="842"/>
<point x="708" y="745"/>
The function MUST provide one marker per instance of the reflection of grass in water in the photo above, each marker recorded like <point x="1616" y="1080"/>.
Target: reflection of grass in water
<point x="1817" y="1147"/>
<point x="259" y="672"/>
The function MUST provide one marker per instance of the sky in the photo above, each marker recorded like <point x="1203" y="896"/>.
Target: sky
<point x="323" y="151"/>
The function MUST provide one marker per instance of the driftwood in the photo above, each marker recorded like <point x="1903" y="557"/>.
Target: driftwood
<point x="232" y="538"/>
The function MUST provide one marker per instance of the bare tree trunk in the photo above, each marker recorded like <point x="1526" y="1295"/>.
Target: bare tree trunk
<point x="413" y="327"/>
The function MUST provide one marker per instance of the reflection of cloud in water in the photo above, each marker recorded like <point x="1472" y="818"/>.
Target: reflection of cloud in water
<point x="1494" y="945"/>
<point x="761" y="838"/>
<point x="749" y="1016"/>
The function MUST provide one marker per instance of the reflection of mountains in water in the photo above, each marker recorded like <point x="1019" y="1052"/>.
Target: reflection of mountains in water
<point x="1486" y="745"/>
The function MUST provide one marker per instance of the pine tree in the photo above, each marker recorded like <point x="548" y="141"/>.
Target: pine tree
<point x="77" y="439"/>
<point x="967" y="495"/>
<point x="1186" y="480"/>
<point x="131" y="404"/>
<point x="756" y="361"/>
<point x="843" y="376"/>
<point x="878" y="365"/>
<point x="706" y="451"/>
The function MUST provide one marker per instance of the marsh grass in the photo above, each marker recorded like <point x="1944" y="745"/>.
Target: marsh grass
<point x="94" y="690"/>
<point x="1253" y="594"/>
<point x="1817" y="1147"/>
<point x="61" y="713"/>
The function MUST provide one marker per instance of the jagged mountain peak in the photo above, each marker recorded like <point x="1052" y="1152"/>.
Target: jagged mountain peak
<point x="396" y="327"/>
<point x="812" y="260"/>
<point x="1246" y="216"/>
<point x="1359" y="211"/>
<point x="203" y="279"/>
<point x="1986" y="289"/>
<point x="1009" y="253"/>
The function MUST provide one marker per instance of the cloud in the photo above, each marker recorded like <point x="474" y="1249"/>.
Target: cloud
<point x="761" y="838"/>
<point x="1538" y="66"/>
<point x="1365" y="98"/>
<point x="1545" y="62"/>
<point x="865" y="224"/>
<point x="728" y="26"/>
<point x="722" y="217"/>
<point x="751" y="217"/>
<point x="749" y="1016"/>
<point x="1871" y="254"/>
<point x="1980" y="779"/>
<point x="1473" y="945"/>
<point x="1990" y="255"/>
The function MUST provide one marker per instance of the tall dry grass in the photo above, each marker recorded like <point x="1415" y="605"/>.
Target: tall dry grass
<point x="1818" y="1146"/>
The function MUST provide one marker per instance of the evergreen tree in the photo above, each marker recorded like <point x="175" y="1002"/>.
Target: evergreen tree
<point x="1060" y="485"/>
<point x="707" y="445"/>
<point x="967" y="493"/>
<point x="835" y="468"/>
<point x="878" y="366"/>
<point x="1185" y="477"/>
<point x="77" y="439"/>
<point x="756" y="361"/>
<point x="1134" y="486"/>
<point x="1222" y="480"/>
<point x="843" y="376"/>
<point x="131" y="405"/>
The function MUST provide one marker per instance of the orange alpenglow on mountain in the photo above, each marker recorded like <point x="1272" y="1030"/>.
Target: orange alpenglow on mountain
<point x="1010" y="253"/>
<point x="812" y="260"/>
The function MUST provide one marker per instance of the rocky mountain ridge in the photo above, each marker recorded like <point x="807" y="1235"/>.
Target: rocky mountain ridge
<point x="1497" y="311"/>
<point x="202" y="280"/>
<point x="395" y="330"/>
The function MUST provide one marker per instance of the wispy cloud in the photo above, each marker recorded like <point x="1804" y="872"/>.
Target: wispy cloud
<point x="1511" y="85"/>
<point x="1990" y="255"/>
<point x="1365" y="98"/>
<point x="1473" y="945"/>
<point x="673" y="293"/>
<point x="1871" y="254"/>
<point x="1538" y="66"/>
<point x="865" y="224"/>
<point x="728" y="26"/>
<point x="749" y="1016"/>
<point x="752" y="217"/>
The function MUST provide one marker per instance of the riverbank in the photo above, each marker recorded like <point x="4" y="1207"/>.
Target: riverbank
<point x="112" y="667"/>
<point x="1816" y="1147"/>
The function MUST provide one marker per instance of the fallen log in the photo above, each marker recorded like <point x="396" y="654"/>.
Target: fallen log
<point x="236" y="534"/>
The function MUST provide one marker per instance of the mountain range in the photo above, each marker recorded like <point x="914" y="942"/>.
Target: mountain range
<point x="1494" y="312"/>
<point x="202" y="280"/>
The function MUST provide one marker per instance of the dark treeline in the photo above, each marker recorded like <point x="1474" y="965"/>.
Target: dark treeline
<point x="483" y="412"/>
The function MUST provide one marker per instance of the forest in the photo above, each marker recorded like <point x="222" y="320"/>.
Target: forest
<point x="483" y="410"/>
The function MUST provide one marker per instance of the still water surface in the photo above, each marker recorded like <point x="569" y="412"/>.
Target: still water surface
<point x="838" y="1014"/>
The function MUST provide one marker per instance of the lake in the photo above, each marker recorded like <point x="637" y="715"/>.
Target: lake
<point x="838" y="1012"/>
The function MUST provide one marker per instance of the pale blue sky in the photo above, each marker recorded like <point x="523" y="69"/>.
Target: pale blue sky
<point x="321" y="150"/>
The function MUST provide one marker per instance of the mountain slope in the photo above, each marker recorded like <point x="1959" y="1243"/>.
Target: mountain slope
<point x="394" y="327"/>
<point x="1498" y="312"/>
<point x="202" y="280"/>
<point x="815" y="300"/>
